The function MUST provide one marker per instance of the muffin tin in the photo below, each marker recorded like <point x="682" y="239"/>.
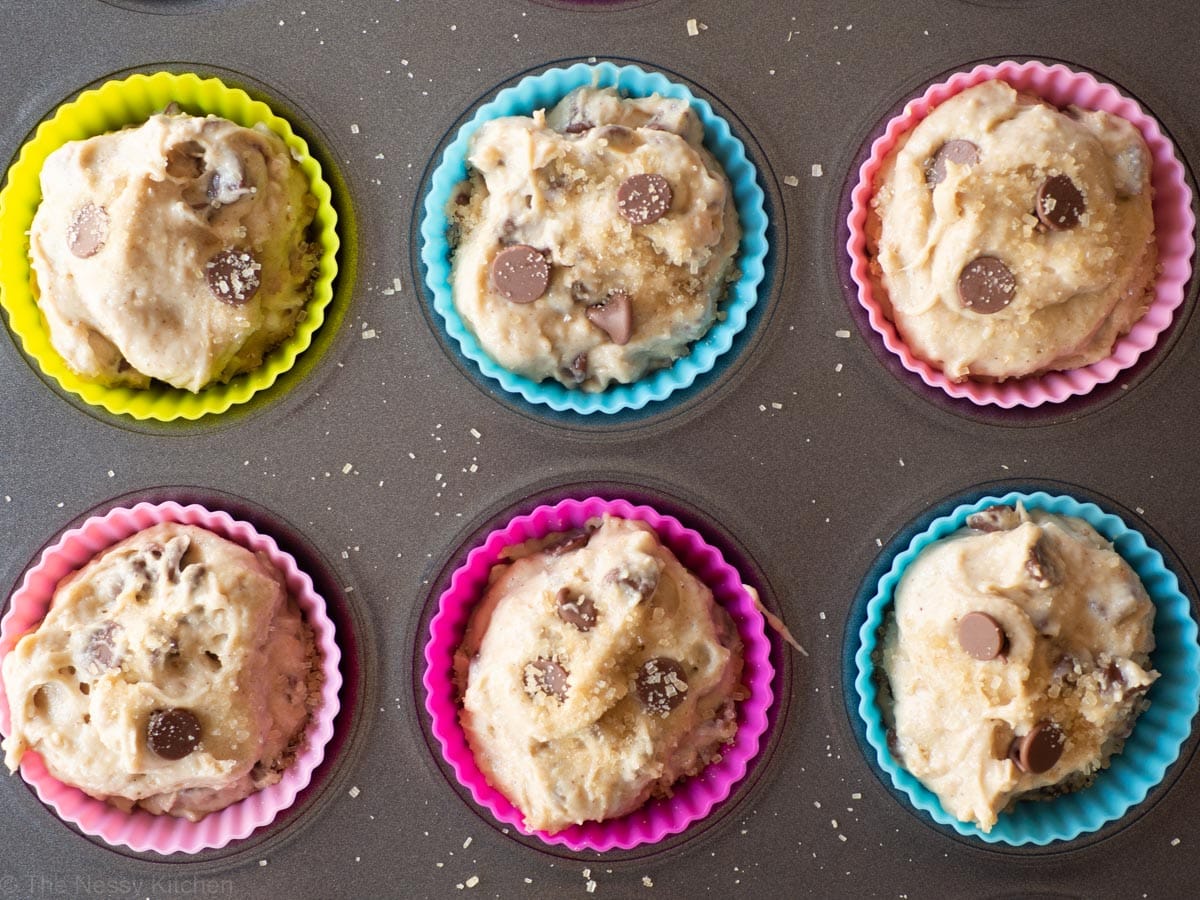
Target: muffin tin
<point x="809" y="460"/>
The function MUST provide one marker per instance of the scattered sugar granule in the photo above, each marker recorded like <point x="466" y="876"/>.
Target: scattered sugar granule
<point x="693" y="27"/>
<point x="472" y="881"/>
<point x="646" y="881"/>
<point x="590" y="887"/>
<point x="817" y="171"/>
<point x="842" y="333"/>
<point x="776" y="406"/>
<point x="347" y="468"/>
<point x="262" y="862"/>
<point x="353" y="128"/>
<point x="856" y="796"/>
<point x="368" y="334"/>
<point x="1175" y="842"/>
<point x="791" y="180"/>
<point x="838" y="367"/>
<point x="475" y="434"/>
<point x="467" y="843"/>
<point x="354" y="791"/>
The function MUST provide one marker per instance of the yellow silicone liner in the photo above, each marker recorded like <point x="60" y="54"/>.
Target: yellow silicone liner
<point x="110" y="107"/>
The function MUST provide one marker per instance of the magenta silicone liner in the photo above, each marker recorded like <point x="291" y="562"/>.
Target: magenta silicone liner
<point x="694" y="798"/>
<point x="1173" y="220"/>
<point x="141" y="830"/>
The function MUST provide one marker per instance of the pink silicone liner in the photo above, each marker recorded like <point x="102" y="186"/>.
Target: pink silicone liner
<point x="141" y="830"/>
<point x="1173" y="220"/>
<point x="693" y="798"/>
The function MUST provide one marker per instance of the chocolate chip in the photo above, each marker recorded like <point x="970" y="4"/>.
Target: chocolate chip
<point x="233" y="276"/>
<point x="173" y="733"/>
<point x="644" y="583"/>
<point x="225" y="188"/>
<point x="520" y="273"/>
<point x="661" y="685"/>
<point x="986" y="285"/>
<point x="580" y="292"/>
<point x="550" y="678"/>
<point x="644" y="198"/>
<point x="579" y="127"/>
<point x="981" y="635"/>
<point x="1060" y="203"/>
<point x="1040" y="564"/>
<point x="614" y="317"/>
<point x="964" y="153"/>
<point x="578" y="370"/>
<point x="88" y="231"/>
<point x="994" y="518"/>
<point x="101" y="652"/>
<point x="1038" y="751"/>
<point x="576" y="609"/>
<point x="571" y="540"/>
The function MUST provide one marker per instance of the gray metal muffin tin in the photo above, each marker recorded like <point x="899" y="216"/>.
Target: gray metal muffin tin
<point x="810" y="452"/>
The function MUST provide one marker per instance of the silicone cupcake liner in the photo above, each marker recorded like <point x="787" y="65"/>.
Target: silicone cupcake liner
<point x="693" y="798"/>
<point x="543" y="91"/>
<point x="141" y="830"/>
<point x="111" y="107"/>
<point x="1173" y="219"/>
<point x="1157" y="737"/>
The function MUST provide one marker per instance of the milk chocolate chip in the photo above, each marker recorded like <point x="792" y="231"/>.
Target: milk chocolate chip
<point x="986" y="285"/>
<point x="520" y="273"/>
<point x="1060" y="203"/>
<point x="578" y="370"/>
<point x="614" y="316"/>
<point x="88" y="231"/>
<point x="576" y="609"/>
<point x="100" y="652"/>
<point x="994" y="518"/>
<point x="233" y="276"/>
<point x="173" y="733"/>
<point x="549" y="677"/>
<point x="981" y="635"/>
<point x="661" y="685"/>
<point x="964" y="153"/>
<point x="1038" y="751"/>
<point x="571" y="540"/>
<point x="644" y="198"/>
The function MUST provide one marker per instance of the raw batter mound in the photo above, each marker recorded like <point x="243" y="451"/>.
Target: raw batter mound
<point x="595" y="673"/>
<point x="176" y="250"/>
<point x="172" y="672"/>
<point x="1017" y="657"/>
<point x="594" y="241"/>
<point x="1013" y="238"/>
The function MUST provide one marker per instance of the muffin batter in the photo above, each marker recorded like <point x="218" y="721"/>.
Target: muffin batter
<point x="595" y="673"/>
<point x="176" y="250"/>
<point x="1017" y="657"/>
<point x="172" y="672"/>
<point x="1012" y="238"/>
<point x="594" y="241"/>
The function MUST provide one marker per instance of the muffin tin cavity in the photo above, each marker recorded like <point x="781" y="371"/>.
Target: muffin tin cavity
<point x="126" y="99"/>
<point x="267" y="816"/>
<point x="699" y="802"/>
<point x="1151" y="758"/>
<point x="738" y="313"/>
<point x="1082" y="388"/>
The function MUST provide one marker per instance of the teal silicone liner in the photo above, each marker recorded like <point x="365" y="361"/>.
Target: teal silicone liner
<point x="544" y="90"/>
<point x="1157" y="737"/>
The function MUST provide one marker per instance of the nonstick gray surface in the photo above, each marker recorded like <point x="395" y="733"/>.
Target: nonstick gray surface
<point x="807" y="458"/>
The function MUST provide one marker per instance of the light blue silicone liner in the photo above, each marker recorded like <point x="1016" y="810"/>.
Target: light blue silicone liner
<point x="1157" y="737"/>
<point x="542" y="91"/>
